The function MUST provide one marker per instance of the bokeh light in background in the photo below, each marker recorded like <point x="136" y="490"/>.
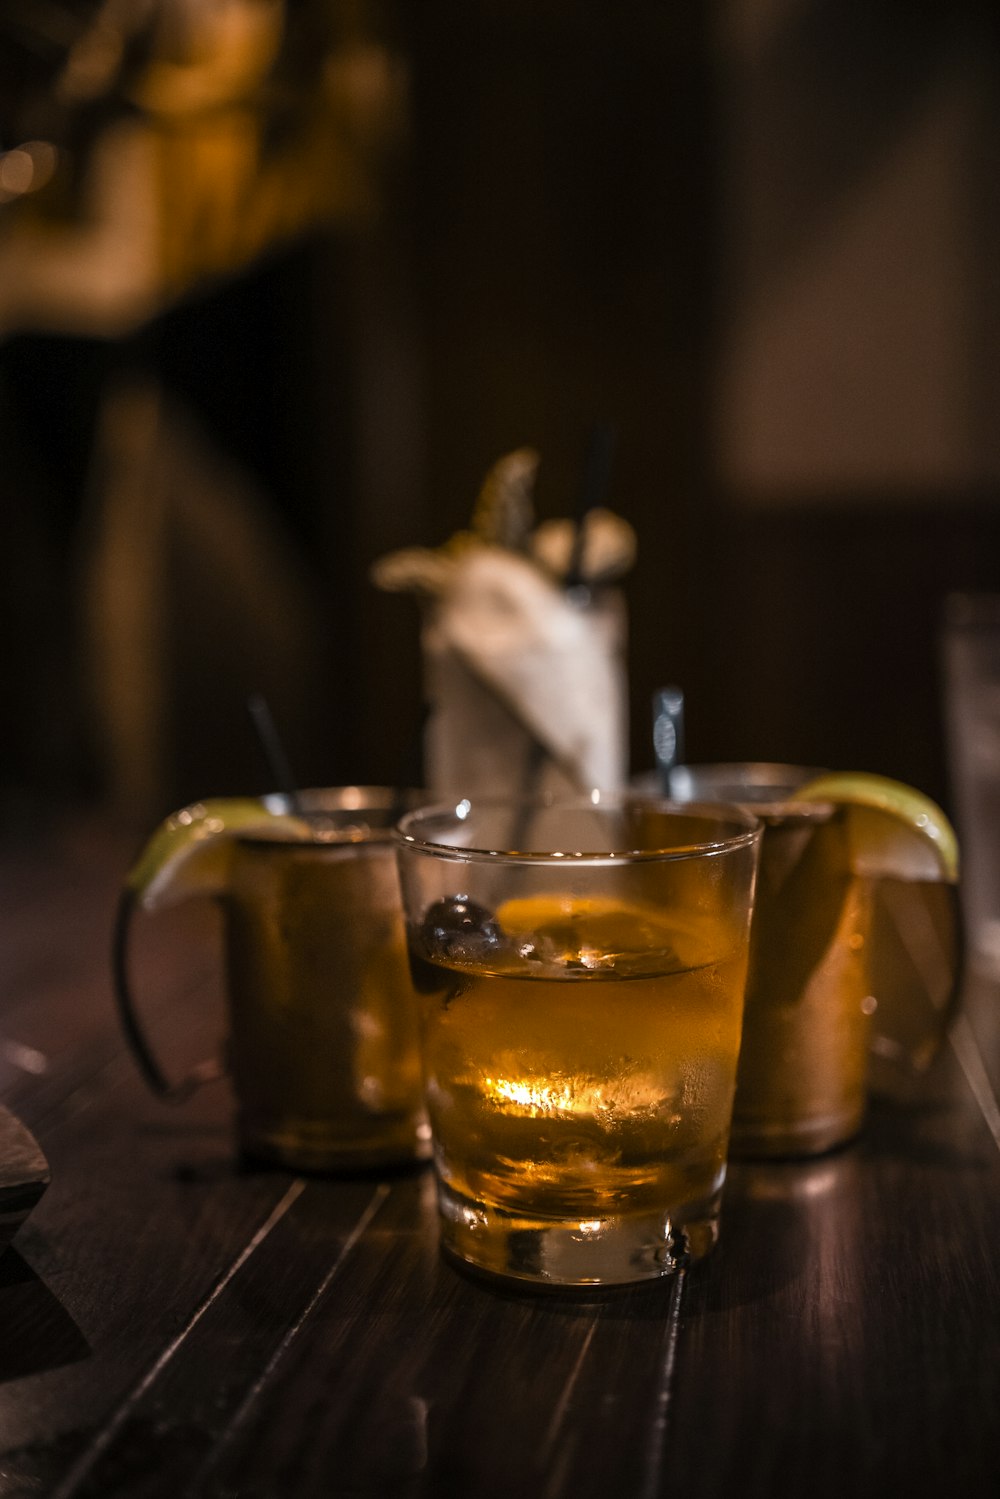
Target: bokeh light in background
<point x="177" y="382"/>
<point x="279" y="282"/>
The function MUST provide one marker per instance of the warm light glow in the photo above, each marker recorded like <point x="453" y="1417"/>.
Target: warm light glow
<point x="577" y="1096"/>
<point x="546" y="1099"/>
<point x="16" y="172"/>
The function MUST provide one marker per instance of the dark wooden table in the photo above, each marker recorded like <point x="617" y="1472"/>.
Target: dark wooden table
<point x="172" y="1323"/>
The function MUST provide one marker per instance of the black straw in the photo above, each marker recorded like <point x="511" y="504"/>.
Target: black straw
<point x="274" y="751"/>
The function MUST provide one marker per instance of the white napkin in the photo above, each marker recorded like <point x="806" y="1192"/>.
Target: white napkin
<point x="524" y="673"/>
<point x="551" y="666"/>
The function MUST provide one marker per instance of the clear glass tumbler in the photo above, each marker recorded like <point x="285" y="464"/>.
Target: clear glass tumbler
<point x="581" y="967"/>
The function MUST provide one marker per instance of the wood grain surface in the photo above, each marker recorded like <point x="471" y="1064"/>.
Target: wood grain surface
<point x="176" y="1322"/>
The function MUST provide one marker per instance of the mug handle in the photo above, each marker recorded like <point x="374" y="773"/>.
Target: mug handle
<point x="154" y="1075"/>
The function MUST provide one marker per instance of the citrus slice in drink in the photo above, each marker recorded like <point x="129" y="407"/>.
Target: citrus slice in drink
<point x="189" y="854"/>
<point x="588" y="924"/>
<point x="590" y="934"/>
<point x="901" y="842"/>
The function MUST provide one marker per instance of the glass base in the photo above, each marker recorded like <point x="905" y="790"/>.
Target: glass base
<point x="308" y="1146"/>
<point x="754" y="1139"/>
<point x="561" y="1254"/>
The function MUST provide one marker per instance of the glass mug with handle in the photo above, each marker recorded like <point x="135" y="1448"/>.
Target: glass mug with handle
<point x="322" y="1045"/>
<point x="856" y="949"/>
<point x="581" y="967"/>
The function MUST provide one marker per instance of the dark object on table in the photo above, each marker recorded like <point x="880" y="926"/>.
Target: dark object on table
<point x="24" y="1175"/>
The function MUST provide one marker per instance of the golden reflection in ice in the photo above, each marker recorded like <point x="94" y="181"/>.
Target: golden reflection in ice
<point x="574" y="1096"/>
<point x="544" y="1099"/>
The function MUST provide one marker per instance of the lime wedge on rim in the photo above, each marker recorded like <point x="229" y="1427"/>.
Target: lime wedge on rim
<point x="189" y="853"/>
<point x="893" y="830"/>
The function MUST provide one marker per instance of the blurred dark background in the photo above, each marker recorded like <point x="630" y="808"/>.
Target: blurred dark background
<point x="279" y="282"/>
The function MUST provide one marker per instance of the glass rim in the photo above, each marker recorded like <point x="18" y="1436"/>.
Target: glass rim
<point x="319" y="834"/>
<point x="748" y="829"/>
<point x="363" y="813"/>
<point x="757" y="774"/>
<point x="316" y="800"/>
<point x="768" y="788"/>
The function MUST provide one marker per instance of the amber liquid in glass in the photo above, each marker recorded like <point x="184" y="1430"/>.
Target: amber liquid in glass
<point x="582" y="1077"/>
